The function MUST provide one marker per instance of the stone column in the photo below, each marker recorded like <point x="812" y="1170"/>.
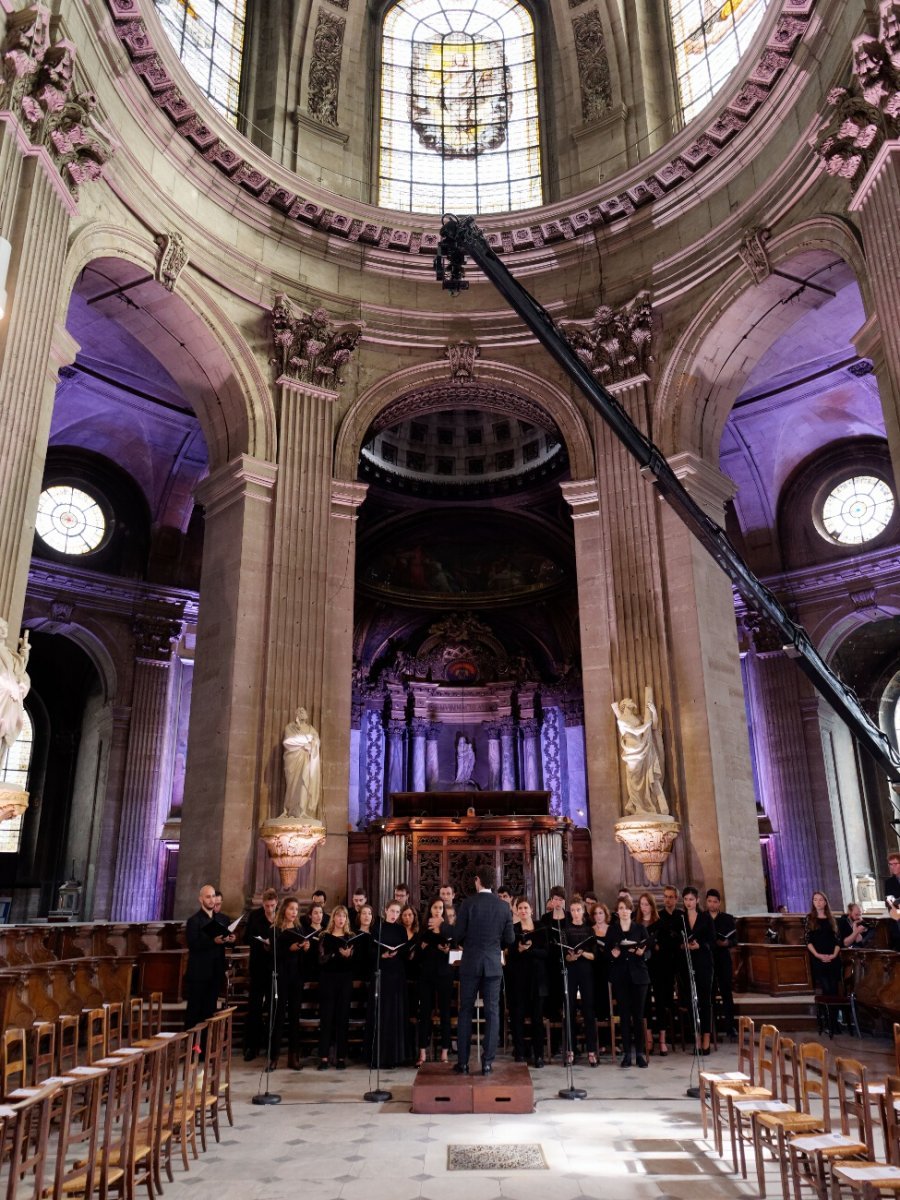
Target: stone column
<point x="432" y="766"/>
<point x="144" y="807"/>
<point x="418" y="731"/>
<point x="531" y="732"/>
<point x="492" y="732"/>
<point x="220" y="814"/>
<point x="39" y="109"/>
<point x="99" y="900"/>
<point x="507" y="755"/>
<point x="396" y="765"/>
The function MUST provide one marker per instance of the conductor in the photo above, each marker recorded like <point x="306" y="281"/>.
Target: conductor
<point x="483" y="927"/>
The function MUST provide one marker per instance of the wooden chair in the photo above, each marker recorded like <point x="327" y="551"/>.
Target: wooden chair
<point x="711" y="1081"/>
<point x="131" y="1113"/>
<point x="95" y="1034"/>
<point x="154" y="1022"/>
<point x="184" y="1120"/>
<point x="135" y="1019"/>
<point x="873" y="1177"/>
<point x="67" y="1042"/>
<point x="114" y="1025"/>
<point x="770" y="1128"/>
<point x="43" y="1051"/>
<point x="76" y="1170"/>
<point x="211" y="1076"/>
<point x="13" y="1061"/>
<point x="26" y="1139"/>
<point x="172" y="1070"/>
<point x="743" y="1109"/>
<point x="223" y="1089"/>
<point x="810" y="1154"/>
<point x="761" y="1088"/>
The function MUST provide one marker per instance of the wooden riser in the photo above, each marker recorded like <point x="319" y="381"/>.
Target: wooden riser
<point x="508" y="1089"/>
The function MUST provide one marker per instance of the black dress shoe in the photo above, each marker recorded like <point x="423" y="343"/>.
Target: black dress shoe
<point x="538" y="1063"/>
<point x="626" y="1061"/>
<point x="461" y="1068"/>
<point x="518" y="1058"/>
<point x="487" y="1068"/>
<point x="323" y="1065"/>
<point x="340" y="1065"/>
<point x="249" y="1055"/>
<point x="641" y="1061"/>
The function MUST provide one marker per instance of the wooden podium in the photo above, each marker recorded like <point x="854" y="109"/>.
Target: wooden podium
<point x="508" y="1089"/>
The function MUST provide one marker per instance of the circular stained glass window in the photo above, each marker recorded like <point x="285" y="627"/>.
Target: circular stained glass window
<point x="70" y="520"/>
<point x="857" y="510"/>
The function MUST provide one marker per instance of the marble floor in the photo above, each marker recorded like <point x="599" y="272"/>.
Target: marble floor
<point x="636" y="1135"/>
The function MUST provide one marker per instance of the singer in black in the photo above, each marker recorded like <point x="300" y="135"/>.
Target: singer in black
<point x="484" y="926"/>
<point x="435" y="981"/>
<point x="892" y="883"/>
<point x="824" y="946"/>
<point x="290" y="981"/>
<point x="627" y="944"/>
<point x="205" y="974"/>
<point x="701" y="937"/>
<point x="579" y="956"/>
<point x="669" y="954"/>
<point x="335" y="988"/>
<point x="600" y="929"/>
<point x="526" y="982"/>
<point x="725" y="927"/>
<point x="258" y="935"/>
<point x="391" y="940"/>
<point x="647" y="914"/>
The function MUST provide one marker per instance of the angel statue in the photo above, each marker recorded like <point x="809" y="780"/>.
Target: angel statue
<point x="642" y="753"/>
<point x="465" y="760"/>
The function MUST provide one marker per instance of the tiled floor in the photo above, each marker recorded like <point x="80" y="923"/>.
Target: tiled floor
<point x="636" y="1135"/>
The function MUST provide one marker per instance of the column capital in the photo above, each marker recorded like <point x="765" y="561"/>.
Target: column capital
<point x="242" y="477"/>
<point x="346" y="497"/>
<point x="530" y="728"/>
<point x="155" y="637"/>
<point x="614" y="344"/>
<point x="706" y="484"/>
<point x="311" y="348"/>
<point x="433" y="732"/>
<point x="582" y="497"/>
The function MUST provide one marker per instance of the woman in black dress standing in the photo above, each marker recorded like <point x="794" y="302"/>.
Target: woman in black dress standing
<point x="627" y="944"/>
<point x="390" y="937"/>
<point x="526" y="982"/>
<point x="580" y="969"/>
<point x="335" y="988"/>
<point x="648" y="916"/>
<point x="600" y="927"/>
<point x="701" y="938"/>
<point x="435" y="982"/>
<point x="823" y="944"/>
<point x="290" y="981"/>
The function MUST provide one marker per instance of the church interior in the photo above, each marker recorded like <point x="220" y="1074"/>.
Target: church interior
<point x="318" y="577"/>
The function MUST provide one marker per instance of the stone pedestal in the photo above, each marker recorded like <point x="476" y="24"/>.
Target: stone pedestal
<point x="649" y="841"/>
<point x="290" y="845"/>
<point x="13" y="801"/>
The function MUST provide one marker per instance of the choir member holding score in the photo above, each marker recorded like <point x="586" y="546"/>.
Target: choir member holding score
<point x="336" y="948"/>
<point x="435" y="982"/>
<point x="526" y="982"/>
<point x="580" y="947"/>
<point x="627" y="944"/>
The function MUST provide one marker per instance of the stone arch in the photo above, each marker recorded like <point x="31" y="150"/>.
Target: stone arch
<point x="95" y="647"/>
<point x="218" y="373"/>
<point x="560" y="407"/>
<point x="704" y="373"/>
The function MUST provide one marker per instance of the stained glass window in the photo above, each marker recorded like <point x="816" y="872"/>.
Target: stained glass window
<point x="709" y="37"/>
<point x="459" y="108"/>
<point x="209" y="38"/>
<point x="69" y="520"/>
<point x="857" y="509"/>
<point x="15" y="770"/>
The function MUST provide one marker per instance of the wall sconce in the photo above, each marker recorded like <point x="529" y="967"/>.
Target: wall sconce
<point x="5" y="252"/>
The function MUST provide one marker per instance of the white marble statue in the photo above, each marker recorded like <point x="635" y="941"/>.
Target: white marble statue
<point x="14" y="685"/>
<point x="301" y="770"/>
<point x="465" y="760"/>
<point x="642" y="754"/>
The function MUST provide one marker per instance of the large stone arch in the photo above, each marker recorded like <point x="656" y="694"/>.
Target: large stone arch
<point x="211" y="359"/>
<point x="706" y="370"/>
<point x="560" y="407"/>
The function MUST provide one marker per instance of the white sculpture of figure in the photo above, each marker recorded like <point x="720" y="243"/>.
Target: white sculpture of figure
<point x="465" y="760"/>
<point x="642" y="754"/>
<point x="14" y="685"/>
<point x="301" y="769"/>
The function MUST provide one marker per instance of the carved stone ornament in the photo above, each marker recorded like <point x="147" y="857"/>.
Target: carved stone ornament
<point x="156" y="637"/>
<point x="593" y="66"/>
<point x="311" y="348"/>
<point x="649" y="842"/>
<point x="290" y="845"/>
<point x="461" y="357"/>
<point x="867" y="113"/>
<point x="38" y="86"/>
<point x="171" y="259"/>
<point x="754" y="255"/>
<point x="325" y="68"/>
<point x="615" y="343"/>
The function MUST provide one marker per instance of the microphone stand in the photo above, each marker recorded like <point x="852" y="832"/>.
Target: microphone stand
<point x="378" y="1094"/>
<point x="268" y="1097"/>
<point x="570" y="1092"/>
<point x="693" y="1089"/>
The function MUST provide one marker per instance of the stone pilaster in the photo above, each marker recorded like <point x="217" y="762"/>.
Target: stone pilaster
<point x="144" y="808"/>
<point x="396" y="764"/>
<point x="531" y="752"/>
<point x="418" y="732"/>
<point x="221" y="811"/>
<point x="432" y="765"/>
<point x="492" y="733"/>
<point x="507" y="755"/>
<point x="98" y="897"/>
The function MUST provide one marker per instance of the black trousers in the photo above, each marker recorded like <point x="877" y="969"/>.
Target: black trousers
<point x="469" y="987"/>
<point x="290" y="992"/>
<point x="202" y="997"/>
<point x="525" y="1002"/>
<point x="703" y="977"/>
<point x="335" y="992"/>
<point x="434" y="990"/>
<point x="723" y="973"/>
<point x="581" y="995"/>
<point x="631" y="1000"/>
<point x="662" y="988"/>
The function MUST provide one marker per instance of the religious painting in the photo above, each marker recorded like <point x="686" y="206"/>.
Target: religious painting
<point x="459" y="102"/>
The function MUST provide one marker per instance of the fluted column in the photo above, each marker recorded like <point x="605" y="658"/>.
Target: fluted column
<point x="136" y="890"/>
<point x="220" y="813"/>
<point x="531" y="731"/>
<point x="396" y="770"/>
<point x="432" y="765"/>
<point x="492" y="732"/>
<point x="99" y="887"/>
<point x="507" y="755"/>
<point x="418" y="731"/>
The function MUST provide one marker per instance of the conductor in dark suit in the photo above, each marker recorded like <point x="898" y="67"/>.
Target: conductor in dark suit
<point x="483" y="928"/>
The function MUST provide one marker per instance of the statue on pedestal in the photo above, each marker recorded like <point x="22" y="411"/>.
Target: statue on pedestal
<point x="465" y="760"/>
<point x="301" y="769"/>
<point x="642" y="754"/>
<point x="14" y="686"/>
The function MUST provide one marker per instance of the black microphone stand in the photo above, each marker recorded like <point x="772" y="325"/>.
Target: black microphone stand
<point x="570" y="1092"/>
<point x="268" y="1097"/>
<point x="693" y="1089"/>
<point x="378" y="1094"/>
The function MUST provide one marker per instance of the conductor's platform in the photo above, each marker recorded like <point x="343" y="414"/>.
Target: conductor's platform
<point x="437" y="1088"/>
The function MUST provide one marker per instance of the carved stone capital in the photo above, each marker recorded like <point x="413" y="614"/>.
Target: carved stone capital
<point x="38" y="86"/>
<point x="867" y="113"/>
<point x="615" y="343"/>
<point x="171" y="259"/>
<point x="461" y="357"/>
<point x="530" y="728"/>
<point x="310" y="347"/>
<point x="155" y="637"/>
<point x="754" y="254"/>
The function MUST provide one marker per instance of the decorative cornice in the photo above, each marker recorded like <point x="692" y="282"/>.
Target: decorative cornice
<point x="438" y="397"/>
<point x="614" y="344"/>
<point x="69" y="590"/>
<point x="310" y="347"/>
<point x="38" y="88"/>
<point x="760" y="81"/>
<point x="583" y="497"/>
<point x="155" y="637"/>
<point x="867" y="113"/>
<point x="710" y="487"/>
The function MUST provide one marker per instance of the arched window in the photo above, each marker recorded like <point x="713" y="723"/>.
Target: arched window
<point x="459" y="108"/>
<point x="709" y="37"/>
<point x="18" y="764"/>
<point x="209" y="38"/>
